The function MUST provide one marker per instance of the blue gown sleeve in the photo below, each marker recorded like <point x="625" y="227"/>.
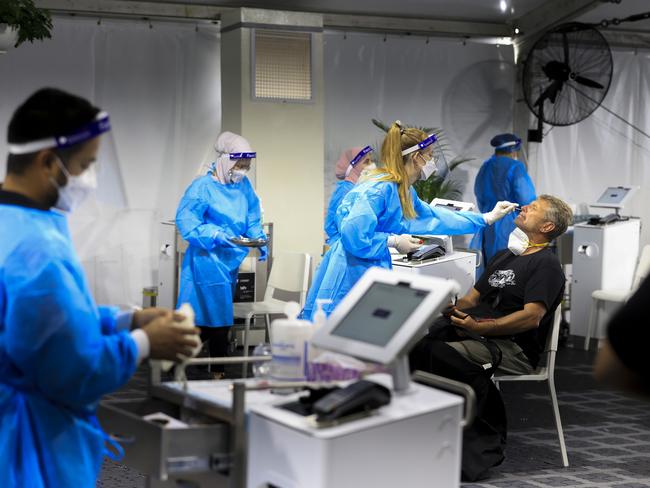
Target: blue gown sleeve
<point x="191" y="223"/>
<point x="108" y="319"/>
<point x="331" y="227"/>
<point x="523" y="190"/>
<point x="254" y="229"/>
<point x="482" y="201"/>
<point x="358" y="227"/>
<point x="54" y="331"/>
<point x="437" y="220"/>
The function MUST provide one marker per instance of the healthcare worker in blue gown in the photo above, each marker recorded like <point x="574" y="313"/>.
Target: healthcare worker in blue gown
<point x="348" y="169"/>
<point x="384" y="211"/>
<point x="501" y="177"/>
<point x="59" y="352"/>
<point x="215" y="209"/>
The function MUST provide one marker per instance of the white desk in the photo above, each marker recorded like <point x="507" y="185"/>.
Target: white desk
<point x="414" y="441"/>
<point x="459" y="266"/>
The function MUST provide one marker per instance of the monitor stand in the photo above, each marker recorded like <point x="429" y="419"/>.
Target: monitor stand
<point x="401" y="373"/>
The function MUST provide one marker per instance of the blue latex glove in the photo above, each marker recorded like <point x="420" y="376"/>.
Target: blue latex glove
<point x="263" y="253"/>
<point x="222" y="239"/>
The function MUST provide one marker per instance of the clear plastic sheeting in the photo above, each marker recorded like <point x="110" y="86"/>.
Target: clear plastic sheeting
<point x="578" y="162"/>
<point x="464" y="88"/>
<point x="160" y="83"/>
<point x="111" y="189"/>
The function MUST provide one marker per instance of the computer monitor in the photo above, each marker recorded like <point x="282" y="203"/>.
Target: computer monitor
<point x="615" y="197"/>
<point x="384" y="315"/>
<point x="452" y="204"/>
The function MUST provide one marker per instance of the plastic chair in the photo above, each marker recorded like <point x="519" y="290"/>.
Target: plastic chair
<point x="546" y="373"/>
<point x="617" y="296"/>
<point x="290" y="273"/>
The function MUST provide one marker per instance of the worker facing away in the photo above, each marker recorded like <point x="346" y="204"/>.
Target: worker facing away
<point x="502" y="177"/>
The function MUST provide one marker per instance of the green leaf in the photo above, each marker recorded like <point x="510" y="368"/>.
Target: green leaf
<point x="32" y="23"/>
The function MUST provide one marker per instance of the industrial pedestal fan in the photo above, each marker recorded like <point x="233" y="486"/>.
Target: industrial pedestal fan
<point x="566" y="75"/>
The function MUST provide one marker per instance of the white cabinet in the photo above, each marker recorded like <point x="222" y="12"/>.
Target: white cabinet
<point x="604" y="257"/>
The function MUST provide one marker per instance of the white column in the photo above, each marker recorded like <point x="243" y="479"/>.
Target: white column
<point x="288" y="136"/>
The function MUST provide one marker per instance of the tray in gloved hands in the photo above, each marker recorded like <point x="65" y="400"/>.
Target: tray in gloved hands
<point x="246" y="242"/>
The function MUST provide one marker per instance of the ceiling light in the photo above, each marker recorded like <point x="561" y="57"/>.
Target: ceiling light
<point x="516" y="30"/>
<point x="499" y="41"/>
<point x="503" y="6"/>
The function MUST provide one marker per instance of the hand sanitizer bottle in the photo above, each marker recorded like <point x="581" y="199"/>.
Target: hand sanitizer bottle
<point x="290" y="345"/>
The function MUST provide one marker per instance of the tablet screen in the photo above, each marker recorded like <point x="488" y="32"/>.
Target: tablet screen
<point x="613" y="195"/>
<point x="379" y="314"/>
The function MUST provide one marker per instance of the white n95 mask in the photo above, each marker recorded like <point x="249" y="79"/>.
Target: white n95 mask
<point x="365" y="173"/>
<point x="518" y="242"/>
<point x="428" y="169"/>
<point x="237" y="175"/>
<point x="76" y="190"/>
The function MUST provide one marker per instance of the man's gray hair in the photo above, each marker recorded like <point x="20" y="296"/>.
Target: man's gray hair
<point x="559" y="213"/>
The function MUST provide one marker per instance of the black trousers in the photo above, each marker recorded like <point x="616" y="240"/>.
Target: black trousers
<point x="217" y="339"/>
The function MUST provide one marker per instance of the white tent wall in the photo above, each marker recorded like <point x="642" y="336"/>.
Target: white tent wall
<point x="465" y="88"/>
<point x="160" y="82"/>
<point x="578" y="162"/>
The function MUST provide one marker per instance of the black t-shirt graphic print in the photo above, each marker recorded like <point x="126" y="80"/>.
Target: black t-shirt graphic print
<point x="509" y="282"/>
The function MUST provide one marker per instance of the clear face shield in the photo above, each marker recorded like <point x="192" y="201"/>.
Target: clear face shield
<point x="101" y="180"/>
<point x="436" y="163"/>
<point x="243" y="162"/>
<point x="514" y="149"/>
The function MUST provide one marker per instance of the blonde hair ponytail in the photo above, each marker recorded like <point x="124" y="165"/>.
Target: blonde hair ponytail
<point x="397" y="139"/>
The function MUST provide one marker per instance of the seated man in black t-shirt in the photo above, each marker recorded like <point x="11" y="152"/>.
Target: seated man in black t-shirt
<point x="513" y="302"/>
<point x="504" y="321"/>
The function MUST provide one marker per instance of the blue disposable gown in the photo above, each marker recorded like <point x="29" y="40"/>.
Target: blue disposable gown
<point x="59" y="353"/>
<point x="331" y="229"/>
<point x="369" y="213"/>
<point x="209" y="214"/>
<point x="500" y="178"/>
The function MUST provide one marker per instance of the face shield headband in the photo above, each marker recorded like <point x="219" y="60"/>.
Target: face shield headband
<point x="99" y="126"/>
<point x="420" y="145"/>
<point x="242" y="155"/>
<point x="357" y="159"/>
<point x="442" y="167"/>
<point x="510" y="146"/>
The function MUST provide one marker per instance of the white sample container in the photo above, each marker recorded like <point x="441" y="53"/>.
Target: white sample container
<point x="186" y="310"/>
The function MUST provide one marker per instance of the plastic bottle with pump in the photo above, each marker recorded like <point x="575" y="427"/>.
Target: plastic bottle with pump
<point x="320" y="317"/>
<point x="290" y="345"/>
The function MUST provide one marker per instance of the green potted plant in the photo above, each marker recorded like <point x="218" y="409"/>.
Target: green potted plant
<point x="20" y="21"/>
<point x="435" y="186"/>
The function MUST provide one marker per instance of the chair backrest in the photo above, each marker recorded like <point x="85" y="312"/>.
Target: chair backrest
<point x="642" y="268"/>
<point x="553" y="336"/>
<point x="290" y="272"/>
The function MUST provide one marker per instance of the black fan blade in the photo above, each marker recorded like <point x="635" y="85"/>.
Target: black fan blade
<point x="565" y="43"/>
<point x="550" y="93"/>
<point x="587" y="82"/>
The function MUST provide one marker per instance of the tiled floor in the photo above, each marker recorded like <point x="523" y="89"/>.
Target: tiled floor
<point x="607" y="434"/>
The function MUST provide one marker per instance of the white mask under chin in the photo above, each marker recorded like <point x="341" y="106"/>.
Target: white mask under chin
<point x="76" y="190"/>
<point x="365" y="173"/>
<point x="518" y="242"/>
<point x="237" y="175"/>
